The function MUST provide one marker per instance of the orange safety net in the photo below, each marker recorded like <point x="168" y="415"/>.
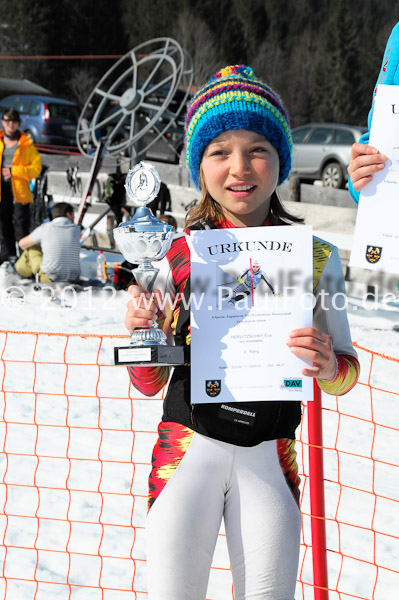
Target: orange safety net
<point x="75" y="449"/>
<point x="361" y="470"/>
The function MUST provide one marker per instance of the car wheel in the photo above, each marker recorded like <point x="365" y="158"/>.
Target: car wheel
<point x="30" y="135"/>
<point x="332" y="175"/>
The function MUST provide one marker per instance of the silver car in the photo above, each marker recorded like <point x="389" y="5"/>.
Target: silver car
<point x="322" y="151"/>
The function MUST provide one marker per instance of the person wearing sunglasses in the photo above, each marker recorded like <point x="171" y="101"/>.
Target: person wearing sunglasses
<point x="20" y="162"/>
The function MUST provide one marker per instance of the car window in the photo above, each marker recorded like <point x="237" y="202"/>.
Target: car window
<point x="7" y="102"/>
<point x="321" y="135"/>
<point x="34" y="108"/>
<point x="22" y="106"/>
<point x="63" y="111"/>
<point x="299" y="135"/>
<point x="344" y="136"/>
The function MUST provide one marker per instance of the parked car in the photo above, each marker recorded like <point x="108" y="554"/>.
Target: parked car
<point x="169" y="146"/>
<point x="161" y="142"/>
<point x="322" y="151"/>
<point x="46" y="120"/>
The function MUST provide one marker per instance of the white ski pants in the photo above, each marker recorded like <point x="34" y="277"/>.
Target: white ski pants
<point x="247" y="488"/>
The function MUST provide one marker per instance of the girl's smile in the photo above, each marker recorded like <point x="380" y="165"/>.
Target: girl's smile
<point x="241" y="191"/>
<point x="240" y="170"/>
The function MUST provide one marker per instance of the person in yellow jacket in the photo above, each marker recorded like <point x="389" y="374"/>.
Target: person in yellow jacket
<point x="20" y="162"/>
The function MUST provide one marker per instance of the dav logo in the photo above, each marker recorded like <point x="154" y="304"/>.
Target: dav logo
<point x="293" y="383"/>
<point x="373" y="254"/>
<point x="213" y="387"/>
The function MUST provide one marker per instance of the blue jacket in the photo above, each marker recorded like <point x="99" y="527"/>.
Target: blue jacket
<point x="389" y="75"/>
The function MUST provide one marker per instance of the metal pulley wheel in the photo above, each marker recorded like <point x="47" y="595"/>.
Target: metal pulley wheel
<point x="145" y="91"/>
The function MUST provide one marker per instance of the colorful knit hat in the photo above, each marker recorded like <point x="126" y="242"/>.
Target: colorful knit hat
<point x="235" y="99"/>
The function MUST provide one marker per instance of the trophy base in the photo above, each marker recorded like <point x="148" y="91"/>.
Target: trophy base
<point x="150" y="356"/>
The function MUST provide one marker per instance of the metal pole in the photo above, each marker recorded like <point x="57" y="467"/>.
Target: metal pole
<point x="317" y="507"/>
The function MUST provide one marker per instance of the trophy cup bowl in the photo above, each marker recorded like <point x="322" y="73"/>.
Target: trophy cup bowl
<point x="142" y="240"/>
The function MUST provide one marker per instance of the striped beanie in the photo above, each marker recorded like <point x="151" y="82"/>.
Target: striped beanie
<point x="235" y="99"/>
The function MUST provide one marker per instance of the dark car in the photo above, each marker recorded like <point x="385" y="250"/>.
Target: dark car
<point x="322" y="151"/>
<point x="162" y="141"/>
<point x="167" y="147"/>
<point x="46" y="120"/>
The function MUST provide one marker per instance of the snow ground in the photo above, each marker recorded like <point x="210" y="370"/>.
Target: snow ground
<point x="362" y="486"/>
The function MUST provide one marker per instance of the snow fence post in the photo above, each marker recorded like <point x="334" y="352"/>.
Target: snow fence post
<point x="316" y="486"/>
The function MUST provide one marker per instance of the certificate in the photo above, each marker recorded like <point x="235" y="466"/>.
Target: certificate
<point x="250" y="287"/>
<point x="376" y="237"/>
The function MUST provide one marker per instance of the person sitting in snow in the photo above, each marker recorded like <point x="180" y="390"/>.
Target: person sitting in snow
<point x="52" y="250"/>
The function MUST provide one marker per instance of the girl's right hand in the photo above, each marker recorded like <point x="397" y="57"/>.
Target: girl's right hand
<point x="142" y="308"/>
<point x="365" y="161"/>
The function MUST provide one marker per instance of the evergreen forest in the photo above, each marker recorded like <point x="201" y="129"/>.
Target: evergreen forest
<point x="322" y="56"/>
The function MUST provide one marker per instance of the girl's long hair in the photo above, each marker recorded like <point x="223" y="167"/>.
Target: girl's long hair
<point x="209" y="210"/>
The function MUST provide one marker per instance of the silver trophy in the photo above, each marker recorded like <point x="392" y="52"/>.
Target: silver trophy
<point x="141" y="240"/>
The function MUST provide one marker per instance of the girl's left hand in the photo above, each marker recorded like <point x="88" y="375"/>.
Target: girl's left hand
<point x="314" y="345"/>
<point x="365" y="161"/>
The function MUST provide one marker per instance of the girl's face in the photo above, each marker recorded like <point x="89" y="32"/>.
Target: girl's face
<point x="240" y="169"/>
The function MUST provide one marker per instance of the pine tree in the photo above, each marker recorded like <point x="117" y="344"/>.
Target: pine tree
<point x="87" y="27"/>
<point x="337" y="71"/>
<point x="323" y="57"/>
<point x="24" y="32"/>
<point x="148" y="19"/>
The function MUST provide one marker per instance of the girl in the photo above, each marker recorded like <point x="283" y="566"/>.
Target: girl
<point x="207" y="467"/>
